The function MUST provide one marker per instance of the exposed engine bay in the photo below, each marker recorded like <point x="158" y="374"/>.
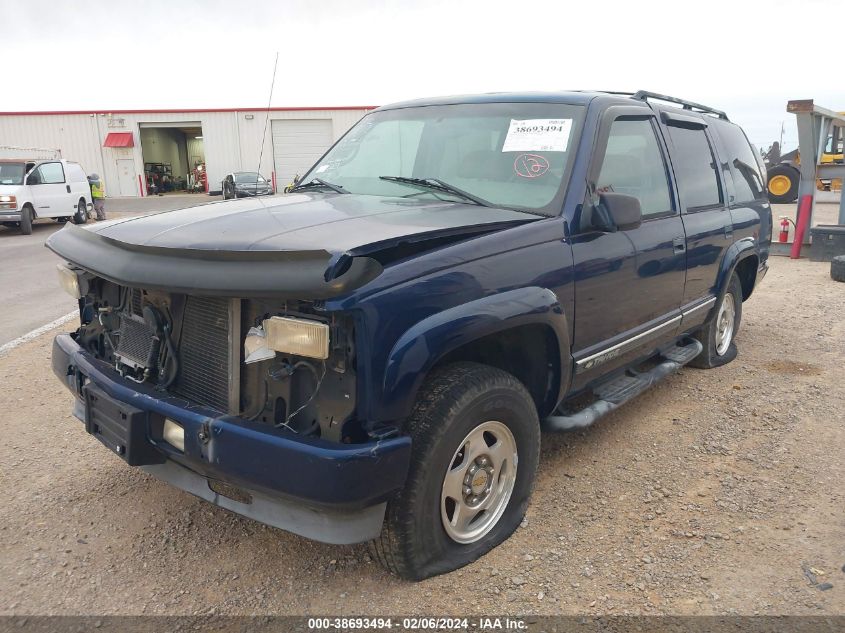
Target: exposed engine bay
<point x="193" y="348"/>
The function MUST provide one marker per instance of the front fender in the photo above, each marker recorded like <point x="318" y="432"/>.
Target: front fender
<point x="424" y="344"/>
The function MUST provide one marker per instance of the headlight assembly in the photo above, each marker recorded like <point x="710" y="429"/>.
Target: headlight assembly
<point x="299" y="337"/>
<point x="69" y="280"/>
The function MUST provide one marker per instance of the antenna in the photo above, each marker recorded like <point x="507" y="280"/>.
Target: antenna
<point x="266" y="121"/>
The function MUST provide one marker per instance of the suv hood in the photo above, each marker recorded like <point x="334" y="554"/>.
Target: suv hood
<point x="300" y="245"/>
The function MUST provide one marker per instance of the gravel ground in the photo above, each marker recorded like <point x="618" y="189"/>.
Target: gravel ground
<point x="716" y="492"/>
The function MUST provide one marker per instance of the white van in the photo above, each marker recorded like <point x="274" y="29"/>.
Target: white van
<point x="42" y="188"/>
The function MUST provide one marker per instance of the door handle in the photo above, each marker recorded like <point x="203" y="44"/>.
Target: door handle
<point x="679" y="244"/>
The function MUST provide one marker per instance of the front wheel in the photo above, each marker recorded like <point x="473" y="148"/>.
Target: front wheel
<point x="717" y="335"/>
<point x="476" y="444"/>
<point x="81" y="215"/>
<point x="26" y="220"/>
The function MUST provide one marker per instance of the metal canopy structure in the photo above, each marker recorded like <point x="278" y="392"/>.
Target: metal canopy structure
<point x="815" y="126"/>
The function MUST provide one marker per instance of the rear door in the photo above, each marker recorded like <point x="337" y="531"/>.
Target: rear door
<point x="628" y="284"/>
<point x="706" y="217"/>
<point x="50" y="191"/>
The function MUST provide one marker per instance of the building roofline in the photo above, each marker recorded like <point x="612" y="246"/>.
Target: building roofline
<point x="183" y="110"/>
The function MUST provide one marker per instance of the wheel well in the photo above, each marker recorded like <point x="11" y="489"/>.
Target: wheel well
<point x="528" y="352"/>
<point x="31" y="208"/>
<point x="746" y="270"/>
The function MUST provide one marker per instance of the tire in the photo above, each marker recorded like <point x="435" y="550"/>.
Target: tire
<point x="81" y="217"/>
<point x="461" y="408"/>
<point x="782" y="184"/>
<point x="718" y="334"/>
<point x="26" y="220"/>
<point x="837" y="268"/>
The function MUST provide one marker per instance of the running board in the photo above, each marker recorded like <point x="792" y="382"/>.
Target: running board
<point x="615" y="392"/>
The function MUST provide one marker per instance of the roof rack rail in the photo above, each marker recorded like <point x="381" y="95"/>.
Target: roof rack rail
<point x="645" y="95"/>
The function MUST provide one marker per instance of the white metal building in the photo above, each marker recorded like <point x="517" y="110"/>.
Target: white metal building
<point x="125" y="147"/>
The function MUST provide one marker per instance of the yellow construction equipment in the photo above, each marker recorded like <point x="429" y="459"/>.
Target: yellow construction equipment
<point x="784" y="171"/>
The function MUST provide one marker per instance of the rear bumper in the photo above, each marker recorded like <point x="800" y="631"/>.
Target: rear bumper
<point x="323" y="490"/>
<point x="10" y="216"/>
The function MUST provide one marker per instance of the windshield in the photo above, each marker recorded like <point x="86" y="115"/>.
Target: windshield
<point x="248" y="177"/>
<point x="514" y="155"/>
<point x="12" y="173"/>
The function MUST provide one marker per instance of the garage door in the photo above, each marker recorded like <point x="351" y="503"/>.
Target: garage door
<point x="297" y="144"/>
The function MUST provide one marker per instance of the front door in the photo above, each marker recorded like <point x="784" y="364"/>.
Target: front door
<point x="50" y="191"/>
<point x="628" y="284"/>
<point x="126" y="180"/>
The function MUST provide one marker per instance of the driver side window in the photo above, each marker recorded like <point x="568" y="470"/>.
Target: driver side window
<point x="50" y="174"/>
<point x="633" y="165"/>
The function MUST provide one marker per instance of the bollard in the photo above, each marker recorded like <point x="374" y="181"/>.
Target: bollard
<point x="804" y="210"/>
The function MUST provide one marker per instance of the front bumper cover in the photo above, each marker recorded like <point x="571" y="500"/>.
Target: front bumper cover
<point x="331" y="482"/>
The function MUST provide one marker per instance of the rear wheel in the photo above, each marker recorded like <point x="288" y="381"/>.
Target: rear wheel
<point x="783" y="184"/>
<point x="717" y="335"/>
<point x="81" y="215"/>
<point x="476" y="444"/>
<point x="26" y="220"/>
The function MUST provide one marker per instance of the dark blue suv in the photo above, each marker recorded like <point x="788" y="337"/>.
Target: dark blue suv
<point x="372" y="356"/>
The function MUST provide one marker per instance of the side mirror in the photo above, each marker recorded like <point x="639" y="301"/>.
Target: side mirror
<point x="624" y="210"/>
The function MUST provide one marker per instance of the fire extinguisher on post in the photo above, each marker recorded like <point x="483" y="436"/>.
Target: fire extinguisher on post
<point x="784" y="229"/>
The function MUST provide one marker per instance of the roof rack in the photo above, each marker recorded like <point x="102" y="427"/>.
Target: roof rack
<point x="645" y="95"/>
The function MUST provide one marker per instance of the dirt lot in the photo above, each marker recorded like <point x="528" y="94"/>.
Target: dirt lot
<point x="716" y="492"/>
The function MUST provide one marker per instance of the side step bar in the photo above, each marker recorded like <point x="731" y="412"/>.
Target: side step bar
<point x="615" y="392"/>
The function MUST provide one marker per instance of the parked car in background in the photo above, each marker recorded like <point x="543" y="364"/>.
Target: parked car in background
<point x="242" y="184"/>
<point x="373" y="358"/>
<point x="31" y="189"/>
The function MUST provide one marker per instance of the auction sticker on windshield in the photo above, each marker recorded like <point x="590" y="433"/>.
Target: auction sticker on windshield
<point x="538" y="135"/>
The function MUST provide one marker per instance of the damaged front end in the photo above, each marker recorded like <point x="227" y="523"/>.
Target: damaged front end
<point x="193" y="347"/>
<point x="161" y="378"/>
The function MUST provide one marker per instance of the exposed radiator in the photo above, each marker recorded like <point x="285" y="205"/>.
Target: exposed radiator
<point x="204" y="352"/>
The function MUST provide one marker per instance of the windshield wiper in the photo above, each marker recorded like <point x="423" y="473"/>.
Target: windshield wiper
<point x="438" y="185"/>
<point x="319" y="182"/>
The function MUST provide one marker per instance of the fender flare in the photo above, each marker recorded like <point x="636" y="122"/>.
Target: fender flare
<point x="424" y="344"/>
<point x="738" y="251"/>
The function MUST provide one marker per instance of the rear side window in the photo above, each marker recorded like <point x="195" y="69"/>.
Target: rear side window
<point x="51" y="174"/>
<point x="695" y="168"/>
<point x="743" y="165"/>
<point x="633" y="165"/>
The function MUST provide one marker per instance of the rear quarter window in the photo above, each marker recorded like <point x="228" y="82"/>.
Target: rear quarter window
<point x="747" y="180"/>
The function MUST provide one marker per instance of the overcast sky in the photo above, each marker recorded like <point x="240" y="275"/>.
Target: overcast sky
<point x="743" y="56"/>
